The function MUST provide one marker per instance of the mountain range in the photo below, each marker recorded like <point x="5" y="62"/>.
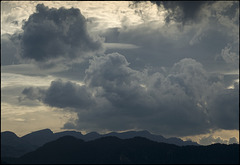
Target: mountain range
<point x="137" y="150"/>
<point x="14" y="146"/>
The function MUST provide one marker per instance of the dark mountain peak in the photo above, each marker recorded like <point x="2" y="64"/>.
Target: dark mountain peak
<point x="42" y="132"/>
<point x="46" y="131"/>
<point x="92" y="136"/>
<point x="75" y="134"/>
<point x="13" y="146"/>
<point x="9" y="134"/>
<point x="40" y="137"/>
<point x="9" y="138"/>
<point x="69" y="132"/>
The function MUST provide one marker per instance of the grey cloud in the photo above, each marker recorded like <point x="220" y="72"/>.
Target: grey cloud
<point x="33" y="93"/>
<point x="61" y="94"/>
<point x="182" y="11"/>
<point x="119" y="83"/>
<point x="158" y="47"/>
<point x="8" y="95"/>
<point x="211" y="140"/>
<point x="177" y="102"/>
<point x="8" y="50"/>
<point x="224" y="108"/>
<point x="232" y="140"/>
<point x="172" y="104"/>
<point x="51" y="33"/>
<point x="230" y="57"/>
<point x="67" y="94"/>
<point x="112" y="68"/>
<point x="69" y="125"/>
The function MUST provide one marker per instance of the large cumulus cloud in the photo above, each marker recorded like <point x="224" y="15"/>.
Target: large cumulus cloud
<point x="52" y="33"/>
<point x="179" y="101"/>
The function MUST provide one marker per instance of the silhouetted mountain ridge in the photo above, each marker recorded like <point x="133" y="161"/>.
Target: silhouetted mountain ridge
<point x="40" y="137"/>
<point x="111" y="149"/>
<point x="14" y="146"/>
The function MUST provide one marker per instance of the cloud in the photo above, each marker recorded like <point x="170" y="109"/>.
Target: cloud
<point x="182" y="11"/>
<point x="177" y="99"/>
<point x="180" y="101"/>
<point x="224" y="108"/>
<point x="8" y="51"/>
<point x="67" y="94"/>
<point x="208" y="140"/>
<point x="61" y="94"/>
<point x="52" y="33"/>
<point x="230" y="57"/>
<point x="165" y="45"/>
<point x="232" y="140"/>
<point x="119" y="46"/>
<point x="33" y="93"/>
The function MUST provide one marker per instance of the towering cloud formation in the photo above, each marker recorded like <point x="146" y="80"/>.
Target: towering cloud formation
<point x="182" y="101"/>
<point x="55" y="33"/>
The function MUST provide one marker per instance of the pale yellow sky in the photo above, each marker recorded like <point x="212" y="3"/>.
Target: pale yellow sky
<point x="109" y="14"/>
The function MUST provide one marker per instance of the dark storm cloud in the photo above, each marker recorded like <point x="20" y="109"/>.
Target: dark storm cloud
<point x="212" y="41"/>
<point x="67" y="94"/>
<point x="172" y="104"/>
<point x="119" y="83"/>
<point x="53" y="33"/>
<point x="116" y="97"/>
<point x="224" y="109"/>
<point x="158" y="47"/>
<point x="61" y="94"/>
<point x="182" y="11"/>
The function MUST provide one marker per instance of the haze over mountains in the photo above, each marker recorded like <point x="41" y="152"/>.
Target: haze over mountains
<point x="110" y="149"/>
<point x="14" y="146"/>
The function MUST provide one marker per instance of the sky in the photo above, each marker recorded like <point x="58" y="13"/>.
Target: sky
<point x="169" y="67"/>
